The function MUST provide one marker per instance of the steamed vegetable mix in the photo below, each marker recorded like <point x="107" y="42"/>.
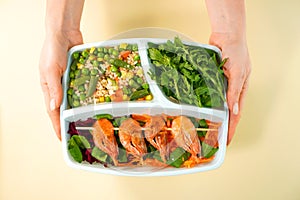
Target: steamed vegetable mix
<point x="188" y="74"/>
<point x="138" y="140"/>
<point x="106" y="74"/>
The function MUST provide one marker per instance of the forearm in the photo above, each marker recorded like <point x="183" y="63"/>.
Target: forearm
<point x="227" y="17"/>
<point x="63" y="16"/>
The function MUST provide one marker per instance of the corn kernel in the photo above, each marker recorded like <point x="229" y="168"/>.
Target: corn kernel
<point x="139" y="72"/>
<point x="100" y="59"/>
<point x="130" y="75"/>
<point x="101" y="99"/>
<point x="79" y="65"/>
<point x="149" y="97"/>
<point x="125" y="97"/>
<point x="123" y="45"/>
<point x="92" y="50"/>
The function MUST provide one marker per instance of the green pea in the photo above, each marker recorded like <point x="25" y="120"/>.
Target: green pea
<point x="100" y="49"/>
<point x="70" y="91"/>
<point x="76" y="55"/>
<point x="85" y="71"/>
<point x="145" y="86"/>
<point x="129" y="47"/>
<point x="81" y="88"/>
<point x="110" y="50"/>
<point x="94" y="72"/>
<point x="107" y="99"/>
<point x="95" y="63"/>
<point x="113" y="68"/>
<point x="139" y="80"/>
<point x="77" y="73"/>
<point x="115" y="52"/>
<point x="85" y="53"/>
<point x="111" y="60"/>
<point x="82" y="60"/>
<point x="136" y="58"/>
<point x="106" y="57"/>
<point x="72" y="75"/>
<point x="105" y="50"/>
<point x="134" y="47"/>
<point x="76" y="103"/>
<point x="82" y="97"/>
<point x="100" y="55"/>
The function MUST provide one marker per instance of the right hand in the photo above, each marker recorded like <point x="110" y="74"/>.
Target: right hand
<point x="53" y="61"/>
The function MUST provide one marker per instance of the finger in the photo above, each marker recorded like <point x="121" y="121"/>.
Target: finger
<point x="52" y="114"/>
<point x="234" y="119"/>
<point x="235" y="85"/>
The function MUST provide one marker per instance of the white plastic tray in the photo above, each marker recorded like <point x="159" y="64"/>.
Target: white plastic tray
<point x="158" y="105"/>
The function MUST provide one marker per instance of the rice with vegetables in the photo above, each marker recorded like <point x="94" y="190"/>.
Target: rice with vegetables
<point x="106" y="74"/>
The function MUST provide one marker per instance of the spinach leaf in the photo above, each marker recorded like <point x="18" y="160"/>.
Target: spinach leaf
<point x="122" y="157"/>
<point x="208" y="151"/>
<point x="74" y="150"/>
<point x="81" y="141"/>
<point x="177" y="157"/>
<point x="100" y="155"/>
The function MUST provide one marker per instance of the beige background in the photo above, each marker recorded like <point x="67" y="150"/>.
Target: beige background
<point x="263" y="161"/>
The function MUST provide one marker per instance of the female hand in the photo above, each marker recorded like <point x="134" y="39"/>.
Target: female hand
<point x="53" y="61"/>
<point x="237" y="69"/>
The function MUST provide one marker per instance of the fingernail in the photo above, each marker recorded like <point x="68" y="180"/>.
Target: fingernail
<point x="236" y="109"/>
<point x="52" y="104"/>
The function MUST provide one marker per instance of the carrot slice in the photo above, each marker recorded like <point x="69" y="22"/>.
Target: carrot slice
<point x="124" y="54"/>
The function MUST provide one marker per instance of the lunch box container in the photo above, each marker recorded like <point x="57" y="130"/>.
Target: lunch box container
<point x="158" y="105"/>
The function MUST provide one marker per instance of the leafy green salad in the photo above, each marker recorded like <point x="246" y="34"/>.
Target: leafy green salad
<point x="188" y="74"/>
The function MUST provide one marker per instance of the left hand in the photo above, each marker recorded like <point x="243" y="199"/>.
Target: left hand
<point x="237" y="69"/>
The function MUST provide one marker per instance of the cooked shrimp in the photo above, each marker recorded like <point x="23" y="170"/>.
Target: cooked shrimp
<point x="157" y="137"/>
<point x="131" y="137"/>
<point x="185" y="135"/>
<point x="211" y="138"/>
<point x="103" y="136"/>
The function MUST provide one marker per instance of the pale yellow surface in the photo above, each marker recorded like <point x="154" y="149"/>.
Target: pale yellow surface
<point x="263" y="161"/>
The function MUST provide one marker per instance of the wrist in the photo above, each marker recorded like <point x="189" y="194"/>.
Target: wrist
<point x="220" y="39"/>
<point x="65" y="37"/>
